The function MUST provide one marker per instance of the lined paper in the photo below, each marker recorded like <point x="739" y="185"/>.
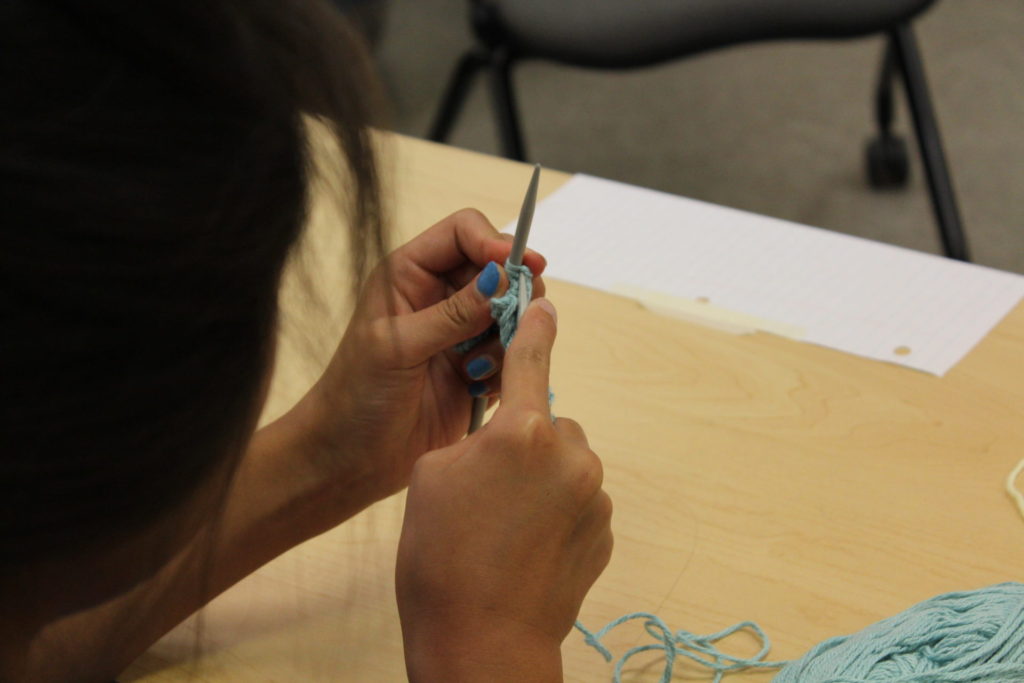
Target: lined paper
<point x="863" y="297"/>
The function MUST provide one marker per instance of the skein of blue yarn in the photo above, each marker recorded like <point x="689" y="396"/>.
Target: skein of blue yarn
<point x="970" y="636"/>
<point x="962" y="637"/>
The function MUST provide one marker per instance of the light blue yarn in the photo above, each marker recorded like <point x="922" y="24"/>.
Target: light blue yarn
<point x="504" y="310"/>
<point x="700" y="649"/>
<point x="962" y="637"/>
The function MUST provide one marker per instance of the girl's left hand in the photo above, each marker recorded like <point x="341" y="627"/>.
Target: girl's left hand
<point x="396" y="388"/>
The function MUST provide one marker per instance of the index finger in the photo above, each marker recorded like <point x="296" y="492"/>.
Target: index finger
<point x="463" y="236"/>
<point x="527" y="364"/>
<point x="466" y="236"/>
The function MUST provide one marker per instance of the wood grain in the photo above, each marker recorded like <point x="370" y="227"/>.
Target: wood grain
<point x="753" y="478"/>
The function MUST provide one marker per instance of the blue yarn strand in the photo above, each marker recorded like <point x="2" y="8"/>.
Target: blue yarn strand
<point x="698" y="648"/>
<point x="961" y="637"/>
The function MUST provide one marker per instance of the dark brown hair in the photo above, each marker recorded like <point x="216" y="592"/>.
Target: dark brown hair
<point x="154" y="174"/>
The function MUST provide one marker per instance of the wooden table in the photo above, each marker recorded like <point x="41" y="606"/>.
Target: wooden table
<point x="753" y="477"/>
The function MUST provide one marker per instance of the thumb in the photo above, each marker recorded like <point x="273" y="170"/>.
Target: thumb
<point x="524" y="377"/>
<point x="463" y="315"/>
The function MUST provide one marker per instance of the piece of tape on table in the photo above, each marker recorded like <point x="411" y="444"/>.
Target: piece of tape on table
<point x="706" y="313"/>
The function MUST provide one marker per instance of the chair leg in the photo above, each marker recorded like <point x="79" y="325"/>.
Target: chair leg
<point x="883" y="94"/>
<point x="940" y="184"/>
<point x="888" y="164"/>
<point x="505" y="105"/>
<point x="455" y="95"/>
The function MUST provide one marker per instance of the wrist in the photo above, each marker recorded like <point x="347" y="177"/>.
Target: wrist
<point x="488" y="651"/>
<point x="345" y="444"/>
<point x="311" y="485"/>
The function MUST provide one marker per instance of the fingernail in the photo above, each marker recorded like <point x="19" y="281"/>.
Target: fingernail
<point x="477" y="389"/>
<point x="479" y="367"/>
<point x="487" y="283"/>
<point x="549" y="307"/>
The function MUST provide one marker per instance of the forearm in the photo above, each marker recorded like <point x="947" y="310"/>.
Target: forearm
<point x="284" y="494"/>
<point x="276" y="500"/>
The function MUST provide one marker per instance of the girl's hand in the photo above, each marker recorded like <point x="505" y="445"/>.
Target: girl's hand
<point x="504" y="534"/>
<point x="395" y="388"/>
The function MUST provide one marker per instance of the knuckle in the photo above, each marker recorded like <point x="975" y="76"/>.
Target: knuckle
<point x="596" y="467"/>
<point x="525" y="430"/>
<point x="604" y="508"/>
<point x="380" y="331"/>
<point x="457" y="311"/>
<point x="529" y="355"/>
<point x="588" y="477"/>
<point x="377" y="338"/>
<point x="604" y="553"/>
<point x="572" y="426"/>
<point x="396" y="268"/>
<point x="537" y="432"/>
<point x="471" y="215"/>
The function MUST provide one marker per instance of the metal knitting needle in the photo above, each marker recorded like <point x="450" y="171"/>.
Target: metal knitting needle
<point x="516" y="259"/>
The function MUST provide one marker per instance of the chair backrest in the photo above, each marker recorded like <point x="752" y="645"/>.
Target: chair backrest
<point x="630" y="33"/>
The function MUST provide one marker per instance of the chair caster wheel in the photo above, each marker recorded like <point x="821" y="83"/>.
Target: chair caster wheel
<point x="887" y="162"/>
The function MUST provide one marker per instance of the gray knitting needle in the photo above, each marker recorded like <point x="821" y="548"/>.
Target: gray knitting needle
<point x="516" y="259"/>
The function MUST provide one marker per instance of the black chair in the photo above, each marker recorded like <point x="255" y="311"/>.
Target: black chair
<point x="625" y="34"/>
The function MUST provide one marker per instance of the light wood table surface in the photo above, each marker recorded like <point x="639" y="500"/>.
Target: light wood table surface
<point x="753" y="477"/>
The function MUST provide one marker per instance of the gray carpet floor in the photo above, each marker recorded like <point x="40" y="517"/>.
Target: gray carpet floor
<point x="775" y="128"/>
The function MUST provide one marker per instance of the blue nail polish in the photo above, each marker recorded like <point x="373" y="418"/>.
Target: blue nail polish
<point x="477" y="389"/>
<point x="487" y="283"/>
<point x="478" y="367"/>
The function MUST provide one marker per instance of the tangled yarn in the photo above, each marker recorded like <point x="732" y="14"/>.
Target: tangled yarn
<point x="962" y="637"/>
<point x="700" y="649"/>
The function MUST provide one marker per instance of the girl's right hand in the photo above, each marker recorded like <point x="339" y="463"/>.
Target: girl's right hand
<point x="504" y="533"/>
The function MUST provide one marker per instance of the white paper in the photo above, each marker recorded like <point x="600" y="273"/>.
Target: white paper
<point x="844" y="292"/>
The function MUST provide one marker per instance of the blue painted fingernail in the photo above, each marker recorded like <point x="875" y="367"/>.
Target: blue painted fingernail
<point x="487" y="283"/>
<point x="477" y="389"/>
<point x="479" y="367"/>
